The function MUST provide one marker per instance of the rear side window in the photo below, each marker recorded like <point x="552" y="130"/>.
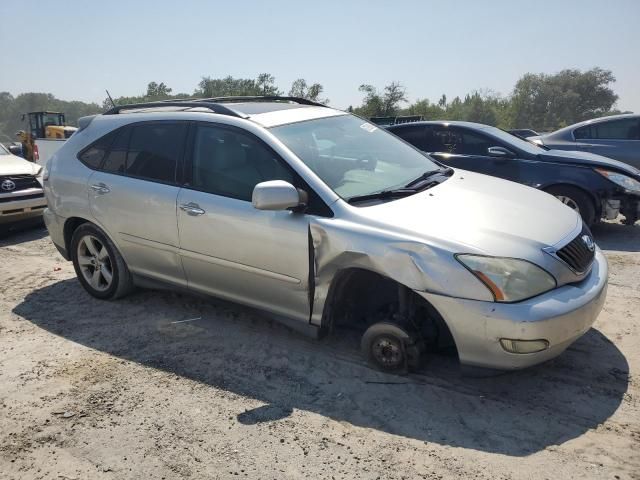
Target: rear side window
<point x="415" y="135"/>
<point x="116" y="159"/>
<point x="93" y="155"/>
<point x="150" y="151"/>
<point x="154" y="151"/>
<point x="625" y="129"/>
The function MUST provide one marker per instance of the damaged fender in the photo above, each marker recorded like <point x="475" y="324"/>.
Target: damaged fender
<point x="336" y="245"/>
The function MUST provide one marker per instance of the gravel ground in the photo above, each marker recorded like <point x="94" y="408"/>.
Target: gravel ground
<point x="100" y="390"/>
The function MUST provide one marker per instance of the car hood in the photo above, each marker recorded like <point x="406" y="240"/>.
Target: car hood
<point x="476" y="213"/>
<point x="14" y="165"/>
<point x="588" y="159"/>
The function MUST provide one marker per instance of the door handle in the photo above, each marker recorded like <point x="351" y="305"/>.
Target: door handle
<point x="192" y="208"/>
<point x="100" y="188"/>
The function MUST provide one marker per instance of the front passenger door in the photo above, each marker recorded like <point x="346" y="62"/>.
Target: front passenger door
<point x="230" y="249"/>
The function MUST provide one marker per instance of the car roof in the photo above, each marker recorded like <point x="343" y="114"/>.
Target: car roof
<point x="455" y="123"/>
<point x="266" y="111"/>
<point x="609" y="118"/>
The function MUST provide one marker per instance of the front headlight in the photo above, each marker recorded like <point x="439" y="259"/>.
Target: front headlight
<point x="508" y="279"/>
<point x="625" y="182"/>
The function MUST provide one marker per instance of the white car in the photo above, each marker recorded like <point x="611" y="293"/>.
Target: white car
<point x="21" y="195"/>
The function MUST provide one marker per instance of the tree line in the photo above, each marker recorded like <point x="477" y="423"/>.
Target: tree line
<point x="543" y="102"/>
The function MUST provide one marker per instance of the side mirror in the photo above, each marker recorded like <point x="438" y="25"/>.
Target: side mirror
<point x="500" y="152"/>
<point x="16" y="150"/>
<point x="275" y="195"/>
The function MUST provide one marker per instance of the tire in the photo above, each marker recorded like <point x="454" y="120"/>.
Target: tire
<point x="99" y="266"/>
<point x="576" y="199"/>
<point x="389" y="348"/>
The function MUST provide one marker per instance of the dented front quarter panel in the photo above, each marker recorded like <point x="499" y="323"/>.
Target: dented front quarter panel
<point x="339" y="244"/>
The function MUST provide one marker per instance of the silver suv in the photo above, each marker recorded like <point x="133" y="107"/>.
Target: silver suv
<point x="324" y="220"/>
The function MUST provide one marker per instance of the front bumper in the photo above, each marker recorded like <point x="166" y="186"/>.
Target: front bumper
<point x="17" y="208"/>
<point x="560" y="316"/>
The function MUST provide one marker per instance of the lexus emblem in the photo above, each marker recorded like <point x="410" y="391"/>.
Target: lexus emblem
<point x="7" y="185"/>
<point x="588" y="241"/>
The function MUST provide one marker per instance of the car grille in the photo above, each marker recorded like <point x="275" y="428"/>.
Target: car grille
<point x="22" y="182"/>
<point x="21" y="197"/>
<point x="577" y="253"/>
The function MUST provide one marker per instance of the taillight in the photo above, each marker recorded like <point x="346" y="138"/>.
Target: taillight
<point x="36" y="155"/>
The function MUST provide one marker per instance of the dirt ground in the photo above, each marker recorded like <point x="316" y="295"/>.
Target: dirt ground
<point x="100" y="390"/>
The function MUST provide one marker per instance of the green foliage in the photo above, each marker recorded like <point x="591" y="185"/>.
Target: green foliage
<point x="229" y="86"/>
<point x="299" y="88"/>
<point x="386" y="104"/>
<point x="547" y="102"/>
<point x="155" y="92"/>
<point x="539" y="101"/>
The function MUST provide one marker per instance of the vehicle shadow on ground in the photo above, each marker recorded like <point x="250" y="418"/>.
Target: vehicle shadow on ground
<point x="24" y="231"/>
<point x="617" y="237"/>
<point x="235" y="349"/>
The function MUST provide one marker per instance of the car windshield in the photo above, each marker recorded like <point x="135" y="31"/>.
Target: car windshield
<point x="508" y="138"/>
<point x="352" y="156"/>
<point x="3" y="150"/>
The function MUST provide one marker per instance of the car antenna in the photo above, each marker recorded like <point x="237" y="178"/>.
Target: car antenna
<point x="113" y="104"/>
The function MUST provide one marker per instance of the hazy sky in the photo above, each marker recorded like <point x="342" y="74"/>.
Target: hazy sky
<point x="76" y="49"/>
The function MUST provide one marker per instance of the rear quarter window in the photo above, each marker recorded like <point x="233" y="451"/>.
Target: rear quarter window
<point x="94" y="154"/>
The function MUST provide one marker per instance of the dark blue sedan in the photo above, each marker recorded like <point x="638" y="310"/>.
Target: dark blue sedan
<point x="595" y="186"/>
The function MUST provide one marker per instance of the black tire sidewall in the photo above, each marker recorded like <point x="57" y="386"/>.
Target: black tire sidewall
<point x="582" y="199"/>
<point x="89" y="229"/>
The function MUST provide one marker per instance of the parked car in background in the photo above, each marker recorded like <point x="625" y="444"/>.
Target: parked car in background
<point x="593" y="185"/>
<point x="524" y="132"/>
<point x="617" y="137"/>
<point x="21" y="195"/>
<point x="323" y="219"/>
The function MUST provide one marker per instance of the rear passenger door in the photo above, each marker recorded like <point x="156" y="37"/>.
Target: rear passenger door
<point x="133" y="196"/>
<point x="230" y="249"/>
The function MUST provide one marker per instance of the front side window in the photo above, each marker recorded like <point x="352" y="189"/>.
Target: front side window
<point x="625" y="129"/>
<point x="352" y="156"/>
<point x="472" y="143"/>
<point x="230" y="163"/>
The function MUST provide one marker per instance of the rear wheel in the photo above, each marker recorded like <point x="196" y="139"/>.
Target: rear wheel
<point x="98" y="264"/>
<point x="577" y="200"/>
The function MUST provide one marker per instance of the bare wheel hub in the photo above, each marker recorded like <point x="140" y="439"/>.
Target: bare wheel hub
<point x="387" y="351"/>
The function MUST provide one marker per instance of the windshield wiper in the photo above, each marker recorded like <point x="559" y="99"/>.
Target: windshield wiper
<point x="384" y="195"/>
<point x="427" y="175"/>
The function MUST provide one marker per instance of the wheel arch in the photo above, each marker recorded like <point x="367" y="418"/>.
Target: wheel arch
<point x="595" y="198"/>
<point x="367" y="291"/>
<point x="71" y="224"/>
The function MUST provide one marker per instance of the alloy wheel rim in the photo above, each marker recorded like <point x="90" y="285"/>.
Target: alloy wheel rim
<point x="569" y="202"/>
<point x="95" y="263"/>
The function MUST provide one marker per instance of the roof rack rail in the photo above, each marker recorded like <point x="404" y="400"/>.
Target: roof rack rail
<point x="214" y="107"/>
<point x="261" y="98"/>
